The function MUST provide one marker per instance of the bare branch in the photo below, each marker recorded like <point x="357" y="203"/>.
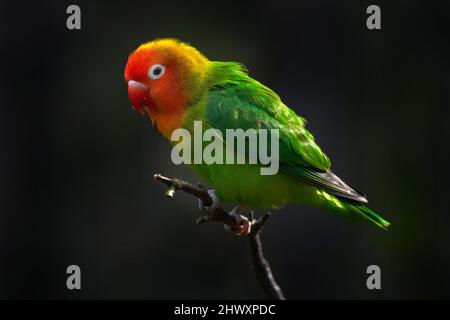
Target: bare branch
<point x="261" y="266"/>
<point x="199" y="192"/>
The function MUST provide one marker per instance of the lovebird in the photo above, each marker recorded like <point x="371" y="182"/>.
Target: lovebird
<point x="175" y="84"/>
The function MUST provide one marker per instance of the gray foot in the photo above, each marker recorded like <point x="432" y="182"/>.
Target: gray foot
<point x="243" y="224"/>
<point x="214" y="206"/>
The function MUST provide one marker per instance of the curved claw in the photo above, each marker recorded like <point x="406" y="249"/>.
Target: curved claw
<point x="215" y="203"/>
<point x="243" y="225"/>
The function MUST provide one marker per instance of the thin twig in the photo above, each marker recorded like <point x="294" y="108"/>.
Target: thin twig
<point x="261" y="266"/>
<point x="200" y="192"/>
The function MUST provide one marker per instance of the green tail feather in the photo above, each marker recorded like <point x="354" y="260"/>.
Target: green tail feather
<point x="366" y="214"/>
<point x="350" y="209"/>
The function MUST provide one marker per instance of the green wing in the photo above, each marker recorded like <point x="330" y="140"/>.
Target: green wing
<point x="237" y="101"/>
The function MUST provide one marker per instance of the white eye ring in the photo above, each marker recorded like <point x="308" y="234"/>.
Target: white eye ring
<point x="156" y="71"/>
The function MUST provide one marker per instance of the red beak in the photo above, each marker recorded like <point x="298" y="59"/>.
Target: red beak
<point x="138" y="94"/>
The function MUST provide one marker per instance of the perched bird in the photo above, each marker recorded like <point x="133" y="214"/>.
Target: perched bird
<point x="177" y="85"/>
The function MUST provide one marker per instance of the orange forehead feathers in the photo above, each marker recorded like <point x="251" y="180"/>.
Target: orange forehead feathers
<point x="169" y="52"/>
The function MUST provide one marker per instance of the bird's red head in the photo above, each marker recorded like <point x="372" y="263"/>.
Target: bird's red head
<point x="163" y="77"/>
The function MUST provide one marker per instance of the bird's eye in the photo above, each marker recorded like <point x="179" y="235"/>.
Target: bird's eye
<point x="156" y="71"/>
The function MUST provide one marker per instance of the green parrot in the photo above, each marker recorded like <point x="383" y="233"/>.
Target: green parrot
<point x="177" y="85"/>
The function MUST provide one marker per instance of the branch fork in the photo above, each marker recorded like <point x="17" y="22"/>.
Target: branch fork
<point x="238" y="224"/>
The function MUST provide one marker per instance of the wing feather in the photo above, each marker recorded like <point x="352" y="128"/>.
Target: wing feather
<point x="238" y="101"/>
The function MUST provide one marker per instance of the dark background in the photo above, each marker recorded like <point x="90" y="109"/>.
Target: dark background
<point x="76" y="163"/>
